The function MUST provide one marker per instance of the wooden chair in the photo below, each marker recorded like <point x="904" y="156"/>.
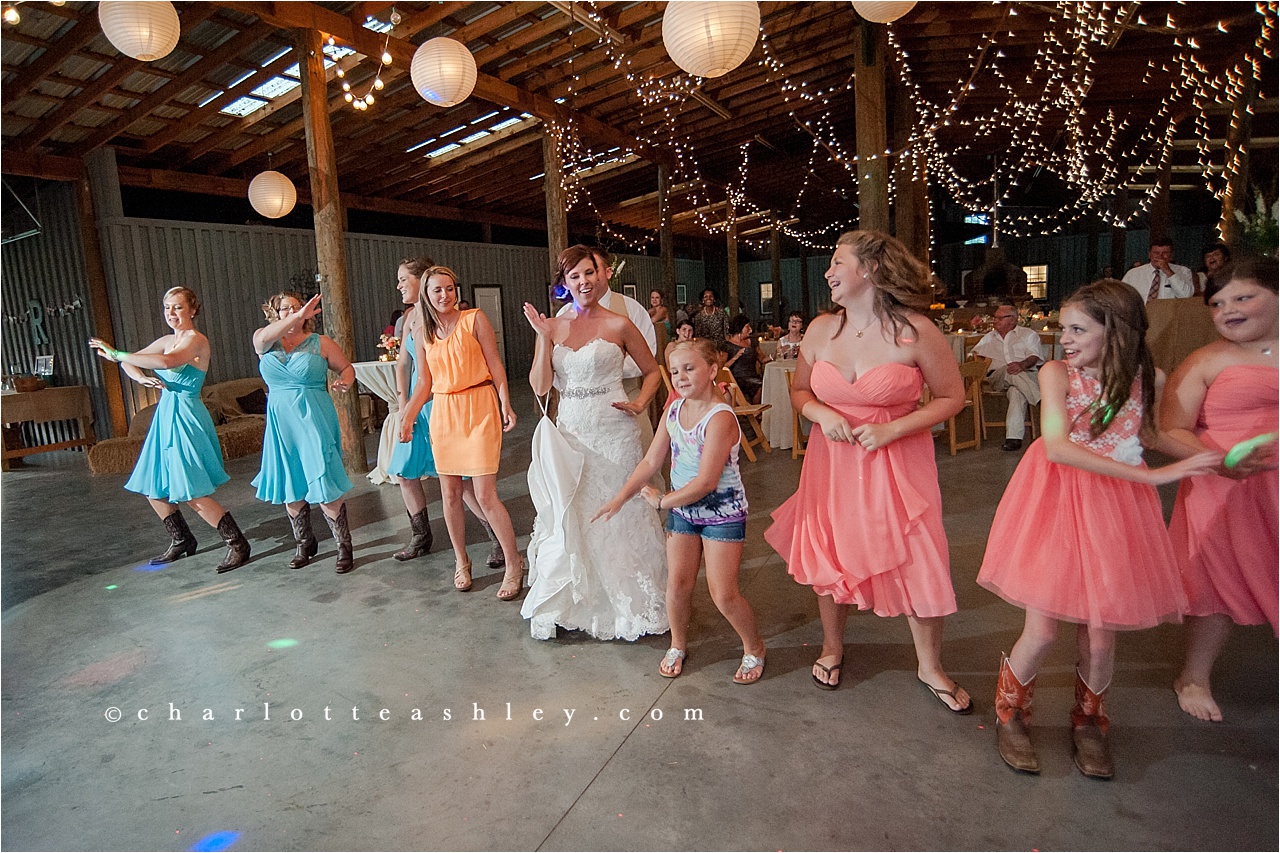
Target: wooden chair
<point x="972" y="372"/>
<point x="1049" y="343"/>
<point x="971" y="341"/>
<point x="748" y="412"/>
<point x="798" y="440"/>
<point x="666" y="380"/>
<point x="1033" y="412"/>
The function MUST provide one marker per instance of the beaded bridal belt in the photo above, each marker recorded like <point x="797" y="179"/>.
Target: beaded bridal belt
<point x="579" y="393"/>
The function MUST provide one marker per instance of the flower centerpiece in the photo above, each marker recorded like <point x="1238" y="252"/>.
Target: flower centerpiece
<point x="391" y="344"/>
<point x="1260" y="231"/>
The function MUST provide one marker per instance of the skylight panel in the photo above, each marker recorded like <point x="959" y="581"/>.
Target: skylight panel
<point x="500" y="125"/>
<point x="210" y="99"/>
<point x="275" y="87"/>
<point x="276" y="56"/>
<point x="473" y="137"/>
<point x="410" y="150"/>
<point x="452" y="146"/>
<point x="243" y="106"/>
<point x="378" y="26"/>
<point x="485" y="117"/>
<point x="245" y="76"/>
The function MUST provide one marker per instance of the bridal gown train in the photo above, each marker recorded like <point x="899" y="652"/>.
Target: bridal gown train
<point x="608" y="578"/>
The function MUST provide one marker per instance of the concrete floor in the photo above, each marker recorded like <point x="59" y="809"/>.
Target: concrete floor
<point x="878" y="764"/>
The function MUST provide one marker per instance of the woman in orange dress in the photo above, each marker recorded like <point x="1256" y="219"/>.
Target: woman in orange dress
<point x="1224" y="527"/>
<point x="864" y="528"/>
<point x="461" y="369"/>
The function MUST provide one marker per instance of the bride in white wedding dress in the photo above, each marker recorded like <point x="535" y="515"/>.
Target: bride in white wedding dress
<point x="609" y="578"/>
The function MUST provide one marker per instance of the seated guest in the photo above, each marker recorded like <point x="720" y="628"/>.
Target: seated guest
<point x="1216" y="259"/>
<point x="1015" y="354"/>
<point x="743" y="358"/>
<point x="789" y="344"/>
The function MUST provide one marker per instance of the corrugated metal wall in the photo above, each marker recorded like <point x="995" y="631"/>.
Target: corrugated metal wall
<point x="752" y="273"/>
<point x="48" y="269"/>
<point x="234" y="269"/>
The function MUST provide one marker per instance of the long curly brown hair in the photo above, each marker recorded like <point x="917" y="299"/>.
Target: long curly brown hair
<point x="901" y="280"/>
<point x="1119" y="309"/>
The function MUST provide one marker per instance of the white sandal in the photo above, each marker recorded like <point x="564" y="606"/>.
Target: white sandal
<point x="749" y="662"/>
<point x="670" y="659"/>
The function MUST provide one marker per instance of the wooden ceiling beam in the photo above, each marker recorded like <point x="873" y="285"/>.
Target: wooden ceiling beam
<point x="83" y="32"/>
<point x="94" y="89"/>
<point x="169" y="91"/>
<point x="310" y="16"/>
<point x="418" y="21"/>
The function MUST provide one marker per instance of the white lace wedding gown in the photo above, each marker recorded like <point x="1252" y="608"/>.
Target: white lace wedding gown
<point x="608" y="578"/>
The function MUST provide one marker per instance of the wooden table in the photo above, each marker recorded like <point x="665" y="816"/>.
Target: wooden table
<point x="49" y="404"/>
<point x="379" y="377"/>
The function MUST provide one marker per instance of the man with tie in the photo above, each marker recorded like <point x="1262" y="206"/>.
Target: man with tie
<point x="1161" y="279"/>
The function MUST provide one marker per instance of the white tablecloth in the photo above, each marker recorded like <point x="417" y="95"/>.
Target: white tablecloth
<point x="769" y="348"/>
<point x="379" y="377"/>
<point x="776" y="421"/>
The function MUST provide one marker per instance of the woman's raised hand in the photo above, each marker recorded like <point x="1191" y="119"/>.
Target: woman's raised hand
<point x="539" y="321"/>
<point x="103" y="349"/>
<point x="311" y="308"/>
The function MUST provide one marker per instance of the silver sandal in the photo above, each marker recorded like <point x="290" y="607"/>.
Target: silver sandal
<point x="670" y="659"/>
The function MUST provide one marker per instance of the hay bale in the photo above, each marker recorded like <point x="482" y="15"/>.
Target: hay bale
<point x="114" y="455"/>
<point x="241" y="436"/>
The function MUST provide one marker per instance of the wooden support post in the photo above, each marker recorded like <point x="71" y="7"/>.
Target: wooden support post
<point x="331" y="259"/>
<point x="666" y="240"/>
<point x="911" y="205"/>
<point x="96" y="278"/>
<point x="553" y="189"/>
<point x="869" y="100"/>
<point x="806" y="305"/>
<point x="1158" y="214"/>
<point x="731" y="245"/>
<point x="1236" y="169"/>
<point x="1119" y="238"/>
<point x="775" y="272"/>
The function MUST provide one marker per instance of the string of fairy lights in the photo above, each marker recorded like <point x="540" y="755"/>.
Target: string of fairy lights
<point x="1043" y="114"/>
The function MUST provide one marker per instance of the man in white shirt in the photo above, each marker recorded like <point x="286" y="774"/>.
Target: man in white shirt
<point x="1015" y="354"/>
<point x="620" y="303"/>
<point x="1161" y="279"/>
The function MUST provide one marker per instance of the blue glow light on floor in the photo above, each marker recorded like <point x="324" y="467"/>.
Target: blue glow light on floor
<point x="283" y="643"/>
<point x="147" y="567"/>
<point x="217" y="841"/>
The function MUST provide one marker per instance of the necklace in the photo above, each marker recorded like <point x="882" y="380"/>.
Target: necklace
<point x="857" y="333"/>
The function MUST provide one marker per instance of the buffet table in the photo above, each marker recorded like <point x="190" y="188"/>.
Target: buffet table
<point x="48" y="404"/>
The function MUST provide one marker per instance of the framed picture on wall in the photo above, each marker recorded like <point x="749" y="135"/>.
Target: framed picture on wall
<point x="629" y="290"/>
<point x="682" y="294"/>
<point x="766" y="300"/>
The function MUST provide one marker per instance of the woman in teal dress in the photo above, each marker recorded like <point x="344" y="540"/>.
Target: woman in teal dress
<point x="412" y="460"/>
<point x="181" y="460"/>
<point x="302" y="446"/>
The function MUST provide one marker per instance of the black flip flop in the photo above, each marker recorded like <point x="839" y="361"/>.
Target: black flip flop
<point x="939" y="693"/>
<point x="829" y="670"/>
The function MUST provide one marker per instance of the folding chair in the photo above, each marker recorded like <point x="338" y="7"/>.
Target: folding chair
<point x="748" y="412"/>
<point x="799" y="442"/>
<point x="972" y="372"/>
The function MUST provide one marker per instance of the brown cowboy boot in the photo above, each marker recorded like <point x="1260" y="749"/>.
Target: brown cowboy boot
<point x="183" y="542"/>
<point x="1013" y="713"/>
<point x="237" y="545"/>
<point x="496" y="556"/>
<point x="305" y="545"/>
<point x="342" y="537"/>
<point x="422" y="538"/>
<point x="1089" y="724"/>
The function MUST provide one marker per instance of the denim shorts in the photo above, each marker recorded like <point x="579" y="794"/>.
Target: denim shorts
<point x="724" y="531"/>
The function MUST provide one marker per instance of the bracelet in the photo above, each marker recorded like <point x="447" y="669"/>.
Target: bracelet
<point x="118" y="354"/>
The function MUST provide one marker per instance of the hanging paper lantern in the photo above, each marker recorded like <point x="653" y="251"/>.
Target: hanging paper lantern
<point x="143" y="30"/>
<point x="882" y="13"/>
<point x="443" y="71"/>
<point x="272" y="194"/>
<point x="710" y="39"/>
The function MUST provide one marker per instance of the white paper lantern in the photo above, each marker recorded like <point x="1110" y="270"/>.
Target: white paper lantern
<point x="707" y="38"/>
<point x="882" y="13"/>
<point x="145" y="31"/>
<point x="443" y="71"/>
<point x="272" y="194"/>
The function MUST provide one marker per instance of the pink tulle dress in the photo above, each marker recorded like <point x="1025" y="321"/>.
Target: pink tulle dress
<point x="1224" y="530"/>
<point x="1085" y="547"/>
<point x="865" y="527"/>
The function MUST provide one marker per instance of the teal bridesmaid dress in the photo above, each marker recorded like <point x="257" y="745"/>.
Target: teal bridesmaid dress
<point x="181" y="458"/>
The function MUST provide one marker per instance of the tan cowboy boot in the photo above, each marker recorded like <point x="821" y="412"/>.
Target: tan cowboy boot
<point x="1013" y="713"/>
<point x="1089" y="724"/>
